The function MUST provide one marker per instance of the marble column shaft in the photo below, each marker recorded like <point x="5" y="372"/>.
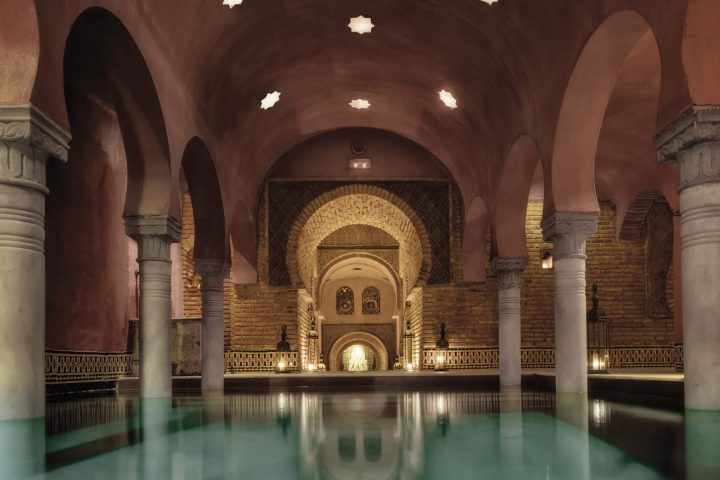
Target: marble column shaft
<point x="568" y="231"/>
<point x="693" y="141"/>
<point x="213" y="273"/>
<point x="508" y="272"/>
<point x="154" y="235"/>
<point x="27" y="140"/>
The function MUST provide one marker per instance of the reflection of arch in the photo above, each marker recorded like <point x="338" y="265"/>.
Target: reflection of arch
<point x="474" y="242"/>
<point x="207" y="205"/>
<point x="572" y="183"/>
<point x="345" y="301"/>
<point x="371" y="301"/>
<point x="512" y="197"/>
<point x="367" y="339"/>
<point x="370" y="205"/>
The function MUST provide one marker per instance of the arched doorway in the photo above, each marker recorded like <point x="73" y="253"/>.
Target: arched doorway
<point x="358" y="352"/>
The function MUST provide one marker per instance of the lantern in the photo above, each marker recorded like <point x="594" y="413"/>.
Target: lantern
<point x="441" y="350"/>
<point x="313" y="344"/>
<point x="598" y="336"/>
<point x="283" y="350"/>
<point x="408" y="338"/>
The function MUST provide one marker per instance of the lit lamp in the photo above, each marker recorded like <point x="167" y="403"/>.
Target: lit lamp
<point x="283" y="348"/>
<point x="598" y="336"/>
<point x="313" y="344"/>
<point x="408" y="338"/>
<point x="441" y="351"/>
<point x="547" y="260"/>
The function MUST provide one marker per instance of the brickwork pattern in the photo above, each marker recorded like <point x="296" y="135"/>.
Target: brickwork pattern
<point x="416" y="314"/>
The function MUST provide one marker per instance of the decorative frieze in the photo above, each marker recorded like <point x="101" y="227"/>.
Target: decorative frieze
<point x="568" y="231"/>
<point x="65" y="367"/>
<point x="693" y="141"/>
<point x="257" y="361"/>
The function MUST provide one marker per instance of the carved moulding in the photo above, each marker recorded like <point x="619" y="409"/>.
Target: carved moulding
<point x="27" y="138"/>
<point x="693" y="141"/>
<point x="568" y="231"/>
<point x="154" y="234"/>
<point x="508" y="270"/>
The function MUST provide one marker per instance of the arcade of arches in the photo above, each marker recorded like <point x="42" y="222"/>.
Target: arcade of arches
<point x="140" y="177"/>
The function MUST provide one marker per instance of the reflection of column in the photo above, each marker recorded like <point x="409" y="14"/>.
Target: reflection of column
<point x="154" y="235"/>
<point x="572" y="434"/>
<point x="511" y="432"/>
<point x="22" y="448"/>
<point x="568" y="232"/>
<point x="27" y="138"/>
<point x="693" y="141"/>
<point x="155" y="454"/>
<point x="213" y="274"/>
<point x="702" y="444"/>
<point x="508" y="283"/>
<point x="213" y="436"/>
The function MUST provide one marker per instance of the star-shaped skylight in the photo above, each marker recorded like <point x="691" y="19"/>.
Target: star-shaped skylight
<point x="270" y="100"/>
<point x="361" y="25"/>
<point x="360" y="104"/>
<point x="448" y="99"/>
<point x="232" y="3"/>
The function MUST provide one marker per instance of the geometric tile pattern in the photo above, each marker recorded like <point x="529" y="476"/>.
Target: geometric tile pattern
<point x="67" y="367"/>
<point x="239" y="361"/>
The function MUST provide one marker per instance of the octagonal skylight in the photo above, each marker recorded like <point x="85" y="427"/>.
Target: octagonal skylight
<point x="448" y="99"/>
<point x="270" y="100"/>
<point x="360" y="104"/>
<point x="232" y="3"/>
<point x="361" y="25"/>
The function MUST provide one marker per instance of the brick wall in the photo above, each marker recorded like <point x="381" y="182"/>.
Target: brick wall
<point x="255" y="313"/>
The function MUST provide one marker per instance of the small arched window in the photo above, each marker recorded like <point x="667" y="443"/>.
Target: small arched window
<point x="371" y="301"/>
<point x="344" y="301"/>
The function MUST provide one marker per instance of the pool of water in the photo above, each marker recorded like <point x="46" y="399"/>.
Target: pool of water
<point x="398" y="435"/>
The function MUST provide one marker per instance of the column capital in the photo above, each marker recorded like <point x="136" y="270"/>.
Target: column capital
<point x="508" y="270"/>
<point x="693" y="141"/>
<point x="138" y="226"/>
<point x="213" y="272"/>
<point x="568" y="231"/>
<point x="27" y="139"/>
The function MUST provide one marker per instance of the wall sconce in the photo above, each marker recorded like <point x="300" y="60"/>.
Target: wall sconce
<point x="283" y="349"/>
<point x="598" y="336"/>
<point x="442" y="346"/>
<point x="547" y="260"/>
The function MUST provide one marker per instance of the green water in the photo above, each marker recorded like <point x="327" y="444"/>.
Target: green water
<point x="397" y="435"/>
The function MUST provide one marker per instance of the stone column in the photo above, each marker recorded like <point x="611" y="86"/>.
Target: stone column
<point x="154" y="235"/>
<point x="508" y="272"/>
<point x="693" y="141"/>
<point x="568" y="231"/>
<point x="213" y="273"/>
<point x="27" y="139"/>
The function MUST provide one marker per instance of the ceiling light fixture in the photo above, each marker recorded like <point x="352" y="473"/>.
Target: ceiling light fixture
<point x="448" y="99"/>
<point x="232" y="3"/>
<point x="361" y="25"/>
<point x="270" y="100"/>
<point x="360" y="164"/>
<point x="360" y="104"/>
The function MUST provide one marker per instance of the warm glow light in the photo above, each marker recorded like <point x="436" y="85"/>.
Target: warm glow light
<point x="547" y="261"/>
<point x="281" y="365"/>
<point x="232" y="3"/>
<point x="448" y="99"/>
<point x="360" y="104"/>
<point x="361" y="25"/>
<point x="490" y="2"/>
<point x="409" y="367"/>
<point x="270" y="100"/>
<point x="597" y="362"/>
<point x="359" y="164"/>
<point x="311" y="367"/>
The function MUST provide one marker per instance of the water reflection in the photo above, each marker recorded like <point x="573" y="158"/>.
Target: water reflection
<point x="365" y="435"/>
